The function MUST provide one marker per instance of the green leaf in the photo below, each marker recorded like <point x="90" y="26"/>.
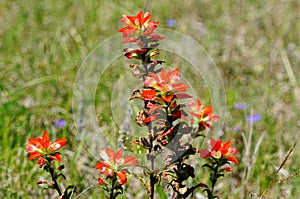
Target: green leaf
<point x="162" y="194"/>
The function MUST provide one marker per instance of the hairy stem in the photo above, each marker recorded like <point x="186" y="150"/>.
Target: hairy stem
<point x="112" y="193"/>
<point x="54" y="178"/>
<point x="213" y="179"/>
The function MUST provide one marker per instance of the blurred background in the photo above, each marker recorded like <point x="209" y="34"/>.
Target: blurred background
<point x="255" y="45"/>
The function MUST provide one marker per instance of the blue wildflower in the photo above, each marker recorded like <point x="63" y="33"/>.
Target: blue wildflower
<point x="60" y="123"/>
<point x="236" y="129"/>
<point x="171" y="22"/>
<point x="241" y="106"/>
<point x="254" y="118"/>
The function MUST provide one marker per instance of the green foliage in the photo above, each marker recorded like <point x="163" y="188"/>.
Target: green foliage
<point x="161" y="192"/>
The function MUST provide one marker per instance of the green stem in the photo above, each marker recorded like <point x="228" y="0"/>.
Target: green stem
<point x="213" y="179"/>
<point x="151" y="159"/>
<point x="54" y="178"/>
<point x="112" y="194"/>
<point x="152" y="183"/>
<point x="146" y="60"/>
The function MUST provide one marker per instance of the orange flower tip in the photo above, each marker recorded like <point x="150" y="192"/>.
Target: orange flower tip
<point x="122" y="176"/>
<point x="56" y="157"/>
<point x="233" y="159"/>
<point x="168" y="98"/>
<point x="35" y="155"/>
<point x="101" y="165"/>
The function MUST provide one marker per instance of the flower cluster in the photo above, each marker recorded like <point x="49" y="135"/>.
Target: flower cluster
<point x="163" y="114"/>
<point x="43" y="149"/>
<point x="219" y="150"/>
<point x="164" y="86"/>
<point x="47" y="151"/>
<point x="113" y="163"/>
<point x="219" y="155"/>
<point x="171" y="127"/>
<point x="139" y="29"/>
<point x="203" y="114"/>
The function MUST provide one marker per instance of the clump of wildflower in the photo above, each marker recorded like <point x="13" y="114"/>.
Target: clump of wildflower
<point x="164" y="118"/>
<point x="113" y="170"/>
<point x="46" y="152"/>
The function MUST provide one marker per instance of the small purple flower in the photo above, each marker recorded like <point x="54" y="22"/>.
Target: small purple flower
<point x="60" y="123"/>
<point x="254" y="118"/>
<point x="241" y="106"/>
<point x="171" y="22"/>
<point x="237" y="129"/>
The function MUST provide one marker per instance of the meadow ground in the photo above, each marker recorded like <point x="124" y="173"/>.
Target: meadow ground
<point x="254" y="44"/>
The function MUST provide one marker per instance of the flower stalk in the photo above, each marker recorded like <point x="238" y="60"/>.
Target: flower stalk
<point x="47" y="153"/>
<point x="163" y="115"/>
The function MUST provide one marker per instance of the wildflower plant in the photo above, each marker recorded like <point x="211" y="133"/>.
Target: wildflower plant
<point x="112" y="170"/>
<point x="219" y="157"/>
<point x="165" y="117"/>
<point x="47" y="153"/>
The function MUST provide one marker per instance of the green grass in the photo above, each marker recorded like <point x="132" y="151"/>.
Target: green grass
<point x="43" y="43"/>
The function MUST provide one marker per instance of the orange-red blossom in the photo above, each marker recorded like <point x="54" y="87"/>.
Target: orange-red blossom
<point x="112" y="163"/>
<point x="138" y="26"/>
<point x="43" y="149"/>
<point x="204" y="114"/>
<point x="219" y="150"/>
<point x="165" y="86"/>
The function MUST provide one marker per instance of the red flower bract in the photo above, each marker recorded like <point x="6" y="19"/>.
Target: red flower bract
<point x="100" y="181"/>
<point x="42" y="148"/>
<point x="112" y="163"/>
<point x="140" y="20"/>
<point x="149" y="94"/>
<point x="204" y="114"/>
<point x="139" y="26"/>
<point x="165" y="84"/>
<point x="219" y="150"/>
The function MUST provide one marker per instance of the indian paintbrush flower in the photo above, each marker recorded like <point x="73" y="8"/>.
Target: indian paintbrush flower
<point x="43" y="149"/>
<point x="139" y="28"/>
<point x="165" y="118"/>
<point x="219" y="150"/>
<point x="113" y="164"/>
<point x="164" y="86"/>
<point x="204" y="114"/>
